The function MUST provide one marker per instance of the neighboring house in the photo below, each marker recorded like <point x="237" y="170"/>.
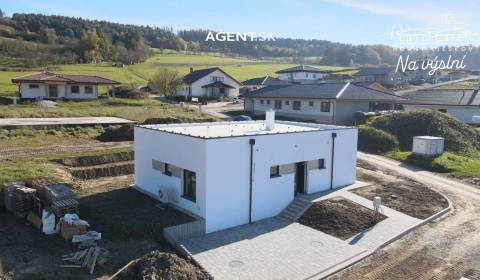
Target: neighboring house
<point x="60" y="86"/>
<point x="460" y="103"/>
<point x="324" y="102"/>
<point x="210" y="82"/>
<point x="386" y="76"/>
<point x="456" y="75"/>
<point x="302" y="74"/>
<point x="234" y="173"/>
<point x="261" y="82"/>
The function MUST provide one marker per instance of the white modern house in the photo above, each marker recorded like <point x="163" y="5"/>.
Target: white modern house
<point x="47" y="85"/>
<point x="302" y="73"/>
<point x="464" y="104"/>
<point x="234" y="173"/>
<point x="210" y="82"/>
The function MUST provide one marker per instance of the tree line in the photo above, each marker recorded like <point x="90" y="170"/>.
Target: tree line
<point x="60" y="39"/>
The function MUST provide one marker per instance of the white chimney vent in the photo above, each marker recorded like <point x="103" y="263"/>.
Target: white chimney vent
<point x="270" y="120"/>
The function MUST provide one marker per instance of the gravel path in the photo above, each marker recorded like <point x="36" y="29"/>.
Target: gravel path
<point x="445" y="249"/>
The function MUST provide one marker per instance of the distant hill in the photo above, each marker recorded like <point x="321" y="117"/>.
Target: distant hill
<point x="40" y="40"/>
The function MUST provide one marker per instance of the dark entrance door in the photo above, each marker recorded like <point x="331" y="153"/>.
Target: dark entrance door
<point x="300" y="177"/>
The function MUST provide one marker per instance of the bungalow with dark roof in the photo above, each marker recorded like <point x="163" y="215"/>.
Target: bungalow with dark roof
<point x="210" y="82"/>
<point x="261" y="82"/>
<point x="386" y="76"/>
<point x="323" y="102"/>
<point x="464" y="104"/>
<point x="60" y="86"/>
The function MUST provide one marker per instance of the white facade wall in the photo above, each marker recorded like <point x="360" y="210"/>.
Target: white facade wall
<point x="462" y="113"/>
<point x="304" y="75"/>
<point x="64" y="91"/>
<point x="181" y="151"/>
<point x="198" y="91"/>
<point x="223" y="170"/>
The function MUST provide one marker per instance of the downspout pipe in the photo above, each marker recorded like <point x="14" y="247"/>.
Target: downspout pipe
<point x="334" y="135"/>
<point x="252" y="143"/>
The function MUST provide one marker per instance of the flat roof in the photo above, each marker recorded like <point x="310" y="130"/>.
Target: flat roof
<point x="241" y="128"/>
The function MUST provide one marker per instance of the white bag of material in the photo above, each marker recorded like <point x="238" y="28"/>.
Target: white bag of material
<point x="48" y="223"/>
<point x="73" y="219"/>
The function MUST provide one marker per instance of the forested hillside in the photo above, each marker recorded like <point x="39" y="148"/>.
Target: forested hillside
<point x="38" y="40"/>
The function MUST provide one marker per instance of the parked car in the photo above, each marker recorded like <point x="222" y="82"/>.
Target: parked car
<point x="237" y="100"/>
<point x="241" y="118"/>
<point x="418" y="82"/>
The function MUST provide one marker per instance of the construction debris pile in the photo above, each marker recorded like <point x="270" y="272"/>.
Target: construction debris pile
<point x="52" y="207"/>
<point x="162" y="265"/>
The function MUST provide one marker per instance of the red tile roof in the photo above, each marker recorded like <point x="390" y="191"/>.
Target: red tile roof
<point x="64" y="78"/>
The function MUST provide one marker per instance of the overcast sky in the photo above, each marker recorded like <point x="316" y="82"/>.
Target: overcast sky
<point x="347" y="21"/>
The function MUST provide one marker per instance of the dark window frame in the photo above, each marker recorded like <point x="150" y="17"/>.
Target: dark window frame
<point x="268" y="101"/>
<point x="325" y="107"/>
<point x="166" y="169"/>
<point x="295" y="107"/>
<point x="321" y="163"/>
<point x="287" y="102"/>
<point x="261" y="101"/>
<point x="275" y="171"/>
<point x="189" y="185"/>
<point x="311" y="103"/>
<point x="88" y="91"/>
<point x="35" y="86"/>
<point x="77" y="89"/>
<point x="278" y="104"/>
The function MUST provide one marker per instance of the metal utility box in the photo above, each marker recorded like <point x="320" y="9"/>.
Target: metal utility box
<point x="428" y="145"/>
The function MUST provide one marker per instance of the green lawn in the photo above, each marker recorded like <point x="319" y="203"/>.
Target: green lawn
<point x="239" y="67"/>
<point x="469" y="84"/>
<point x="137" y="110"/>
<point x="456" y="164"/>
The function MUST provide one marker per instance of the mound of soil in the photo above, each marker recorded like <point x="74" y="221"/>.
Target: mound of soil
<point x="109" y="170"/>
<point x="408" y="197"/>
<point x="405" y="125"/>
<point x="161" y="265"/>
<point x="97" y="159"/>
<point x="339" y="217"/>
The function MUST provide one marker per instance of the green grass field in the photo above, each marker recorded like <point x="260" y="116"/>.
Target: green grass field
<point x="241" y="68"/>
<point x="469" y="84"/>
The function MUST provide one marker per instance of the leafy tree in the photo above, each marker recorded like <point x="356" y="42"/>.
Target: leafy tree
<point x="166" y="82"/>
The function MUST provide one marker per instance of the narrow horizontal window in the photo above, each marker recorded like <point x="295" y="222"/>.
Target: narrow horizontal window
<point x="33" y="86"/>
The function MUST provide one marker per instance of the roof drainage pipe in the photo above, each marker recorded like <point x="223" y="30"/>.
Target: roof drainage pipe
<point x="334" y="135"/>
<point x="252" y="143"/>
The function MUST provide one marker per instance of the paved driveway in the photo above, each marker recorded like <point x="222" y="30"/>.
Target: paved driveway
<point x="270" y="249"/>
<point x="277" y="249"/>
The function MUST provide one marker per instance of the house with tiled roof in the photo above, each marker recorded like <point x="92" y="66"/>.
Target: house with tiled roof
<point x="387" y="76"/>
<point x="464" y="104"/>
<point x="48" y="85"/>
<point x="335" y="102"/>
<point x="209" y="82"/>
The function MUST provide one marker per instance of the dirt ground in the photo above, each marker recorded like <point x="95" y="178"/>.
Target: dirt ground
<point x="339" y="217"/>
<point x="130" y="222"/>
<point x="406" y="196"/>
<point x="162" y="265"/>
<point x="448" y="248"/>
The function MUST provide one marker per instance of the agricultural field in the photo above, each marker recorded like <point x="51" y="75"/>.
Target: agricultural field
<point x="241" y="68"/>
<point x="469" y="84"/>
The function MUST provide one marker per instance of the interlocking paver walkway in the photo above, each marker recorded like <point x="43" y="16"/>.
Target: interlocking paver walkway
<point x="277" y="249"/>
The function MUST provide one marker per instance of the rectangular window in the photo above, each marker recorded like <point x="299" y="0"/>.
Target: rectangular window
<point x="310" y="103"/>
<point x="167" y="169"/>
<point x="33" y="86"/>
<point x="314" y="76"/>
<point x="275" y="171"/>
<point x="217" y="79"/>
<point x="157" y="165"/>
<point x="287" y="103"/>
<point x="189" y="185"/>
<point x="261" y="101"/>
<point x="74" y="89"/>
<point x="296" y="105"/>
<point x="306" y="75"/>
<point x="321" y="163"/>
<point x="371" y="106"/>
<point x="268" y="101"/>
<point x="325" y="107"/>
<point x="88" y="89"/>
<point x="278" y="104"/>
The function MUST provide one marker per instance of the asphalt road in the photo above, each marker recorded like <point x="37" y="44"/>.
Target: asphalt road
<point x="448" y="248"/>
